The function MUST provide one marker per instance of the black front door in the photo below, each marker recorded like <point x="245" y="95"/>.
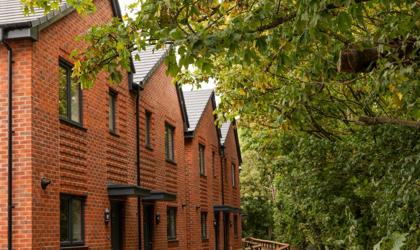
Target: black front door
<point x="148" y="212"/>
<point x="216" y="230"/>
<point x="226" y="230"/>
<point x="116" y="225"/>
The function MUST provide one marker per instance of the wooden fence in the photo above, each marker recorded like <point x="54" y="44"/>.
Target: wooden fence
<point x="258" y="244"/>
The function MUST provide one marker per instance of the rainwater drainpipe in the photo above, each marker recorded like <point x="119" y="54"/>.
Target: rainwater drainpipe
<point x="138" y="89"/>
<point x="9" y="140"/>
<point x="223" y="162"/>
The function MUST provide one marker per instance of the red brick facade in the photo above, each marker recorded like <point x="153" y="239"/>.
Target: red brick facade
<point x="83" y="160"/>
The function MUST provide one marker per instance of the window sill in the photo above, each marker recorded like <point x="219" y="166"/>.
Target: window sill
<point x="203" y="176"/>
<point x="113" y="133"/>
<point x="173" y="243"/>
<point x="74" y="248"/>
<point x="204" y="240"/>
<point x="171" y="162"/>
<point x="73" y="124"/>
<point x="149" y="147"/>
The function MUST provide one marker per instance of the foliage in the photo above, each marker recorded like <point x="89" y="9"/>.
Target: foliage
<point x="351" y="193"/>
<point x="342" y="146"/>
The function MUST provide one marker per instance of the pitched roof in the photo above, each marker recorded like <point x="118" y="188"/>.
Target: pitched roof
<point x="150" y="60"/>
<point x="195" y="102"/>
<point x="11" y="12"/>
<point x="224" y="129"/>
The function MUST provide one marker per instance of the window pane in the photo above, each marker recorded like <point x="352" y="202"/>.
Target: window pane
<point x="204" y="225"/>
<point x="111" y="120"/>
<point x="148" y="121"/>
<point x="171" y="143"/>
<point x="76" y="220"/>
<point x="167" y="142"/>
<point x="64" y="219"/>
<point x="171" y="223"/>
<point x="62" y="102"/>
<point x="235" y="225"/>
<point x="233" y="175"/>
<point x="201" y="159"/>
<point x="75" y="102"/>
<point x="213" y="167"/>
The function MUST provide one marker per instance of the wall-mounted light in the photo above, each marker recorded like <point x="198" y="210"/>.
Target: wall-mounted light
<point x="157" y="218"/>
<point x="197" y="207"/>
<point x="45" y="182"/>
<point x="107" y="216"/>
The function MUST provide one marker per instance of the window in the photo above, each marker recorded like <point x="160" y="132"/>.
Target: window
<point x="233" y="175"/>
<point x="70" y="95"/>
<point x="225" y="168"/>
<point x="148" y="129"/>
<point x="171" y="215"/>
<point x="169" y="142"/>
<point x="112" y="111"/>
<point x="213" y="159"/>
<point x="71" y="220"/>
<point x="201" y="159"/>
<point x="235" y="225"/>
<point x="204" y="225"/>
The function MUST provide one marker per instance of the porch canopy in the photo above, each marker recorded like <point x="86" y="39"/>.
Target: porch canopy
<point x="126" y="190"/>
<point x="225" y="208"/>
<point x="121" y="190"/>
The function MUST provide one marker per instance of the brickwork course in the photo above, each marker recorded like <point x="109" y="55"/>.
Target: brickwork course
<point x="84" y="159"/>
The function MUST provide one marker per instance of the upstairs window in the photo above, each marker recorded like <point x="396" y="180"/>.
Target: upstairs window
<point x="169" y="142"/>
<point x="71" y="220"/>
<point x="148" y="129"/>
<point x="204" y="235"/>
<point x="225" y="169"/>
<point x="233" y="175"/>
<point x="171" y="216"/>
<point x="70" y="95"/>
<point x="213" y="163"/>
<point x="201" y="159"/>
<point x="112" y="111"/>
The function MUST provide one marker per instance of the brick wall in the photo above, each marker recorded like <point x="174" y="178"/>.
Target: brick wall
<point x="159" y="97"/>
<point x="203" y="191"/>
<point x="232" y="194"/>
<point x="22" y="145"/>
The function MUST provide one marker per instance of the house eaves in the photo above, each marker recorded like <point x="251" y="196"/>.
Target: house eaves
<point x="15" y="25"/>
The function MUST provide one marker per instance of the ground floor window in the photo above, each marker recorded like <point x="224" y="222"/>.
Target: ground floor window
<point x="71" y="220"/>
<point x="235" y="225"/>
<point x="204" y="225"/>
<point x="171" y="215"/>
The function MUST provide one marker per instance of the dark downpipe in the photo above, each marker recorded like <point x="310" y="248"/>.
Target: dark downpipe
<point x="9" y="143"/>
<point x="222" y="161"/>
<point x="138" y="91"/>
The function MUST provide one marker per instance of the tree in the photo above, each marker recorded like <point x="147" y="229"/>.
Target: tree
<point x="330" y="87"/>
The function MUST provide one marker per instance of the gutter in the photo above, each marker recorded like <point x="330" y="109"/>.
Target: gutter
<point x="222" y="164"/>
<point x="9" y="140"/>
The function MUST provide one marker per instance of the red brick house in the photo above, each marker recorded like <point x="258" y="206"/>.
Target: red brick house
<point x="212" y="167"/>
<point x="104" y="168"/>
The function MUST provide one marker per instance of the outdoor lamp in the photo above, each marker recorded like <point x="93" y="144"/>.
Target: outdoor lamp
<point x="107" y="216"/>
<point x="157" y="218"/>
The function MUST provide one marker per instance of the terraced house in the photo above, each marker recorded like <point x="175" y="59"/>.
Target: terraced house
<point x="138" y="165"/>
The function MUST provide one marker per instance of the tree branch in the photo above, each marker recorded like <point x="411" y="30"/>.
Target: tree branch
<point x="387" y="120"/>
